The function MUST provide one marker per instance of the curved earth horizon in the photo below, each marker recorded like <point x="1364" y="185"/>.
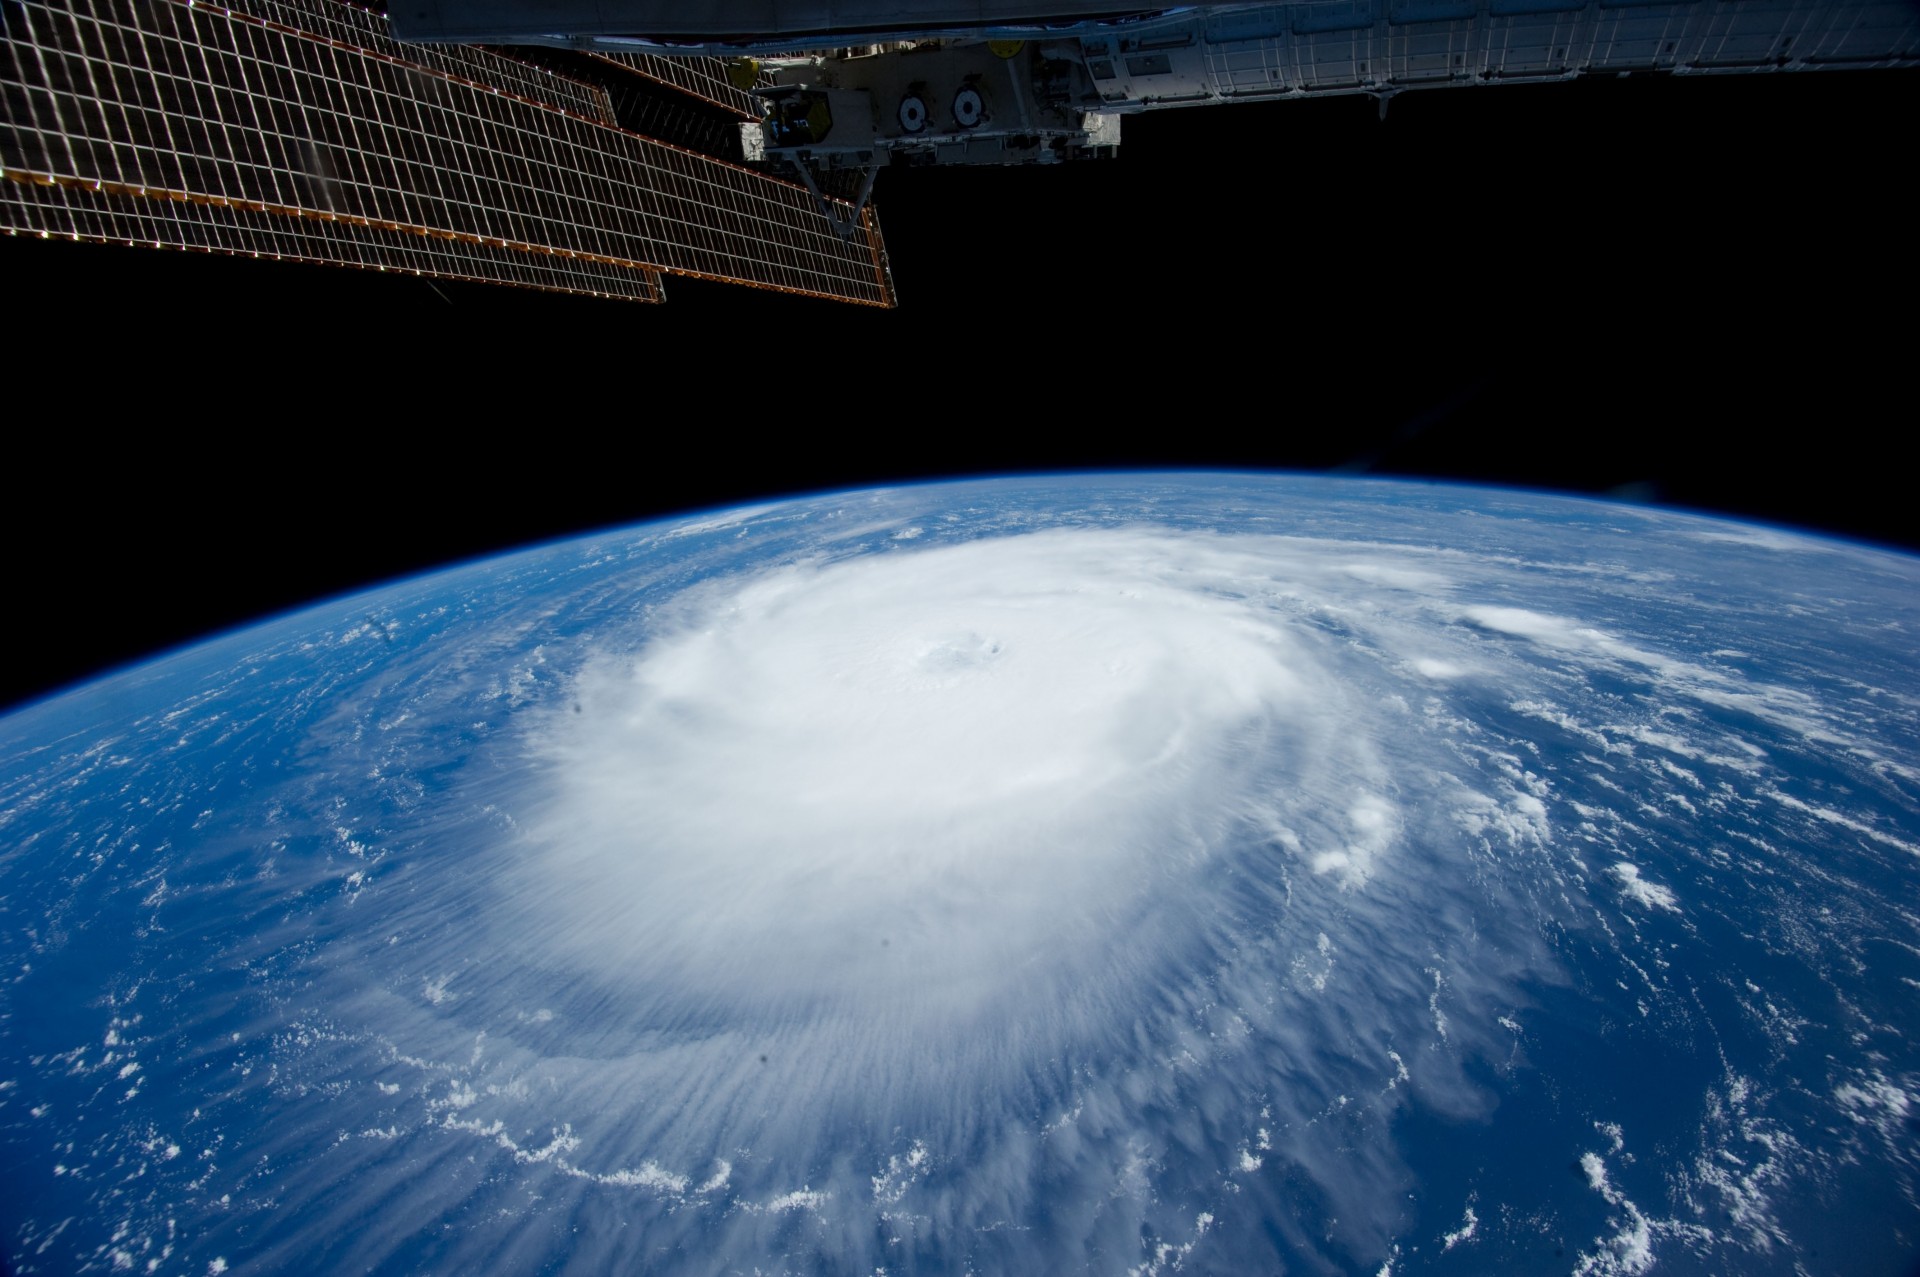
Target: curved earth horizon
<point x="1110" y="874"/>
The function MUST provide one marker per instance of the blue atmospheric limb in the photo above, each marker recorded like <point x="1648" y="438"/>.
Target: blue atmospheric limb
<point x="1200" y="873"/>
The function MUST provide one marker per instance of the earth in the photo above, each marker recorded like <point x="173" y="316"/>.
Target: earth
<point x="1125" y="874"/>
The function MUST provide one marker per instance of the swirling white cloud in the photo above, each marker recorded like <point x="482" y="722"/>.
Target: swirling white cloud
<point x="916" y="842"/>
<point x="927" y="889"/>
<point x="909" y="786"/>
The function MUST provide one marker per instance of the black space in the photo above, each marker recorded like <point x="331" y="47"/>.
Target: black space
<point x="1690" y="291"/>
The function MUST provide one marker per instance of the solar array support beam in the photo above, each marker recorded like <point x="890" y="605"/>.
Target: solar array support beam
<point x="705" y="78"/>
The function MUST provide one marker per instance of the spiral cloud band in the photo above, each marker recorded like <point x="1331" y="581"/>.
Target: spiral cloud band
<point x="1195" y="874"/>
<point x="923" y="842"/>
<point x="912" y="786"/>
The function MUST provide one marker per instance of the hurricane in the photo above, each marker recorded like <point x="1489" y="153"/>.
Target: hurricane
<point x="1120" y="875"/>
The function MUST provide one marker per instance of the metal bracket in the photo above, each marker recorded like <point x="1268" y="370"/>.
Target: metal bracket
<point x="844" y="227"/>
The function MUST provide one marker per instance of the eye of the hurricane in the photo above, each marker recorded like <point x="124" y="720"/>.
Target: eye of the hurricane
<point x="953" y="657"/>
<point x="1001" y="758"/>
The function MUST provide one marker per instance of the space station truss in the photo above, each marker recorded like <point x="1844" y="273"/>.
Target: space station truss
<point x="1380" y="47"/>
<point x="299" y="129"/>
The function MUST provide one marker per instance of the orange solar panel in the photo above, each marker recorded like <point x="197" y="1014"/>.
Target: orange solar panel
<point x="703" y="78"/>
<point x="299" y="129"/>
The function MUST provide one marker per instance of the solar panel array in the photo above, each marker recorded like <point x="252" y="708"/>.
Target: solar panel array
<point x="81" y="213"/>
<point x="701" y="77"/>
<point x="300" y="129"/>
